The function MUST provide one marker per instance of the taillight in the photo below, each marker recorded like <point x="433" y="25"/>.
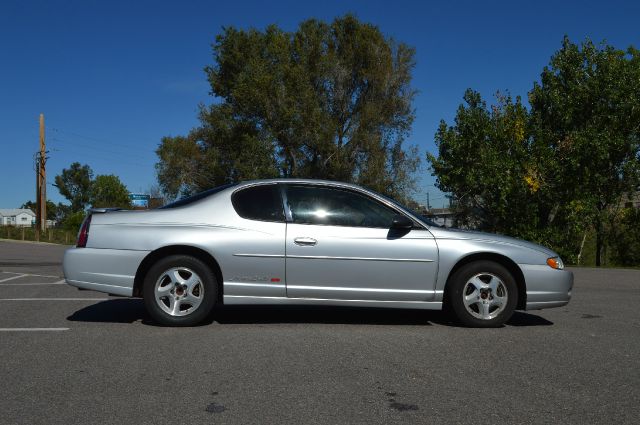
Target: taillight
<point x="83" y="236"/>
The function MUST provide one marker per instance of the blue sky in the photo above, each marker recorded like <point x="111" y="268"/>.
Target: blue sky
<point x="114" y="77"/>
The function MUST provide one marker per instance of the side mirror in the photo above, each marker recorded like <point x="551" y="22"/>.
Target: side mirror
<point x="400" y="222"/>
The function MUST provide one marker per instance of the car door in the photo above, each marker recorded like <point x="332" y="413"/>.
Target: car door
<point x="339" y="246"/>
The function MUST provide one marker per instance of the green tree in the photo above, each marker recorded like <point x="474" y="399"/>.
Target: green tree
<point x="108" y="191"/>
<point x="74" y="183"/>
<point x="586" y="113"/>
<point x="485" y="160"/>
<point x="62" y="212"/>
<point x="73" y="221"/>
<point x="625" y="243"/>
<point x="330" y="100"/>
<point x="552" y="173"/>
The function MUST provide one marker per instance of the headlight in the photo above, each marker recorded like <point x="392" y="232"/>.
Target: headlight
<point x="555" y="263"/>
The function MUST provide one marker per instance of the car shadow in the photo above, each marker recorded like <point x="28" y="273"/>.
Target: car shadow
<point x="119" y="310"/>
<point x="326" y="315"/>
<point x="521" y="318"/>
<point x="129" y="310"/>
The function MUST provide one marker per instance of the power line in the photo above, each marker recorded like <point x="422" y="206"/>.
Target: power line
<point x="95" y="139"/>
<point x="100" y="149"/>
<point x="79" y="157"/>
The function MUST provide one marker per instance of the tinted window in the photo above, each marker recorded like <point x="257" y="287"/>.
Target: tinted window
<point x="198" y="196"/>
<point x="336" y="207"/>
<point x="259" y="203"/>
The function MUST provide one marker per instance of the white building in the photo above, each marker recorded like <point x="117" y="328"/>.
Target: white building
<point x="17" y="217"/>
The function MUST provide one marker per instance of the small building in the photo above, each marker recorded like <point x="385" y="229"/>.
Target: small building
<point x="441" y="216"/>
<point x="21" y="217"/>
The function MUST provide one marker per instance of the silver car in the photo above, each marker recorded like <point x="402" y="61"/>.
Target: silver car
<point x="289" y="241"/>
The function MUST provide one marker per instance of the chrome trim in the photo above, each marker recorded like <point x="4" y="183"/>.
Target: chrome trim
<point x="260" y="255"/>
<point x="340" y="288"/>
<point x="328" y="257"/>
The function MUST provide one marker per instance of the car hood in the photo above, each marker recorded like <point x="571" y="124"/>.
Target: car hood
<point x="442" y="233"/>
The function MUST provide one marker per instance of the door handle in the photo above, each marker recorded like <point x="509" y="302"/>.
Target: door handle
<point x="305" y="241"/>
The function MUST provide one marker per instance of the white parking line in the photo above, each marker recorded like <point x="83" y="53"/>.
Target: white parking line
<point x="13" y="277"/>
<point x="30" y="274"/>
<point x="53" y="299"/>
<point x="60" y="282"/>
<point x="33" y="329"/>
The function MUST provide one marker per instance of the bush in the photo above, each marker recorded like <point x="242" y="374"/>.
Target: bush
<point x="73" y="222"/>
<point x="625" y="243"/>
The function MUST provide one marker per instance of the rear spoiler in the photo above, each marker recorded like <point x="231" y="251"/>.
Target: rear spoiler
<point x="104" y="210"/>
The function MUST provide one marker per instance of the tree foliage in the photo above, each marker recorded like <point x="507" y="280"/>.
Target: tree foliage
<point x="485" y="160"/>
<point x="108" y="191"/>
<point x="330" y="100"/>
<point x="586" y="111"/>
<point x="75" y="184"/>
<point x="625" y="243"/>
<point x="552" y="172"/>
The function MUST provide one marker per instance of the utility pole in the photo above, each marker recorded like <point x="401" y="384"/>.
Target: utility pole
<point x="36" y="166"/>
<point x="41" y="183"/>
<point x="43" y="178"/>
<point x="428" y="204"/>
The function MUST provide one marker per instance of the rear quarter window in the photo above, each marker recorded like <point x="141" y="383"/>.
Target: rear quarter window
<point x="261" y="203"/>
<point x="195" y="198"/>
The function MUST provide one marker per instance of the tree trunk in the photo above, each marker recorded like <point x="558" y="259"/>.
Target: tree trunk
<point x="584" y="237"/>
<point x="599" y="243"/>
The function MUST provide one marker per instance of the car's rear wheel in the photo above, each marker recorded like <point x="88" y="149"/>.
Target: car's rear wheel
<point x="179" y="290"/>
<point x="482" y="294"/>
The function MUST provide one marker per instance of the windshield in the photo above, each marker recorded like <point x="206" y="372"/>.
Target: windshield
<point x="198" y="196"/>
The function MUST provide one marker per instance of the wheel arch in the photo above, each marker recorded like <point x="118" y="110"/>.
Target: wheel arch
<point x="504" y="261"/>
<point x="166" y="251"/>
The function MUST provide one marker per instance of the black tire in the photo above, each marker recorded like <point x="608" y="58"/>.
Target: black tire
<point x="206" y="278"/>
<point x="483" y="270"/>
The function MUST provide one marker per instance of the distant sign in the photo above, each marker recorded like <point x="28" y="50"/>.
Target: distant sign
<point x="139" y="200"/>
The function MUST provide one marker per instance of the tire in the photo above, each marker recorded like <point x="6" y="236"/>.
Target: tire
<point x="482" y="294"/>
<point x="179" y="290"/>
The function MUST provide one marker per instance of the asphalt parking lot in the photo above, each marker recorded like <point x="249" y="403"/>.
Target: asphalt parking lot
<point x="71" y="356"/>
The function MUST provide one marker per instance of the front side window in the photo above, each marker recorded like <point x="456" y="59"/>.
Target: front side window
<point x="336" y="207"/>
<point x="262" y="203"/>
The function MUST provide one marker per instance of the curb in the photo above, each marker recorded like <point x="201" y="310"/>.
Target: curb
<point x="33" y="242"/>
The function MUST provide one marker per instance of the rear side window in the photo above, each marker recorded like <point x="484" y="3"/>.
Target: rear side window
<point x="262" y="203"/>
<point x="195" y="198"/>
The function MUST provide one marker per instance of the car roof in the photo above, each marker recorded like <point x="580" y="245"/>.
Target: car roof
<point x="300" y="181"/>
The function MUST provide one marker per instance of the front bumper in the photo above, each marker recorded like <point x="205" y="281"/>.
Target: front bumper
<point x="546" y="287"/>
<point x="105" y="270"/>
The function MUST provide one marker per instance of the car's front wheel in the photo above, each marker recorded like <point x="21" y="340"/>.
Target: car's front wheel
<point x="482" y="294"/>
<point x="179" y="290"/>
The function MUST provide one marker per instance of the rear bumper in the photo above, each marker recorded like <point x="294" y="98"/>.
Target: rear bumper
<point x="546" y="287"/>
<point x="105" y="270"/>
